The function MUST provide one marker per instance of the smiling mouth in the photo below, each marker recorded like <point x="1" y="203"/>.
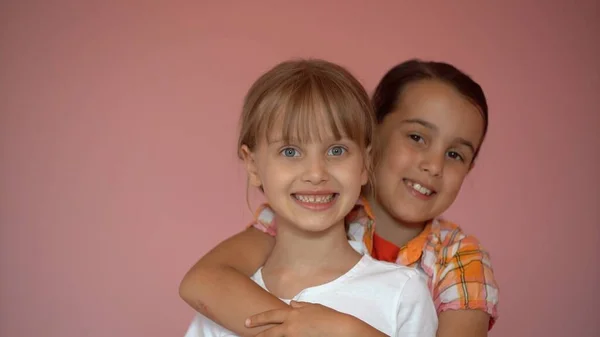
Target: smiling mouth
<point x="419" y="188"/>
<point x="315" y="199"/>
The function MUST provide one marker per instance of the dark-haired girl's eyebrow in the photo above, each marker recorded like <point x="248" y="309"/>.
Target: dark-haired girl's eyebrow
<point x="420" y="122"/>
<point x="466" y="143"/>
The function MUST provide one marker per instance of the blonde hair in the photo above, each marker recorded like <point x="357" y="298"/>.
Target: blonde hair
<point x="308" y="97"/>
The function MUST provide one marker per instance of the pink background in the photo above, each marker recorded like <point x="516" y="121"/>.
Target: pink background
<point x="117" y="144"/>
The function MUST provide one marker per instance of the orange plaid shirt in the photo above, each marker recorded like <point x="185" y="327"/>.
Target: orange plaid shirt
<point x="458" y="269"/>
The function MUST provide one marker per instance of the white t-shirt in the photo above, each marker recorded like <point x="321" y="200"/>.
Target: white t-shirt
<point x="391" y="298"/>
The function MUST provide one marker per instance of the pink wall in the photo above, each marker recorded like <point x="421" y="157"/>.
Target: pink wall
<point x="117" y="136"/>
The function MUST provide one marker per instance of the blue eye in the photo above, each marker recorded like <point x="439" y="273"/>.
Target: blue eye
<point x="454" y="155"/>
<point x="336" y="151"/>
<point x="289" y="152"/>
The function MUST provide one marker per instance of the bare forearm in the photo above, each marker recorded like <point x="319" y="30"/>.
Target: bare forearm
<point x="463" y="323"/>
<point x="219" y="285"/>
<point x="228" y="297"/>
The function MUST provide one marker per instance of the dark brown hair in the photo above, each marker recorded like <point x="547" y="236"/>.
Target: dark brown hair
<point x="389" y="90"/>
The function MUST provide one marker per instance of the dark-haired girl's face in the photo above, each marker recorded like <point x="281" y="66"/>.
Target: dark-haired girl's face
<point x="427" y="148"/>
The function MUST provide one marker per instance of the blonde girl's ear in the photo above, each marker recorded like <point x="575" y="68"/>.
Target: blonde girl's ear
<point x="368" y="166"/>
<point x="251" y="167"/>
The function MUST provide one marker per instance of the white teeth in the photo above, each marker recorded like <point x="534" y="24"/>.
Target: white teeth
<point x="317" y="199"/>
<point x="421" y="189"/>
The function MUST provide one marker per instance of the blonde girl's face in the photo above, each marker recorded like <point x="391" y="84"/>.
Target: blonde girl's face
<point x="426" y="148"/>
<point x="311" y="185"/>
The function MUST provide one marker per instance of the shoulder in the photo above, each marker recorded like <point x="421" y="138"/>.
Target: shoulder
<point x="389" y="284"/>
<point x="411" y="307"/>
<point x="453" y="242"/>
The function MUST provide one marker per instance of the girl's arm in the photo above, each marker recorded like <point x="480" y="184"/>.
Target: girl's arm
<point x="415" y="316"/>
<point x="309" y="319"/>
<point x="465" y="292"/>
<point x="463" y="323"/>
<point x="219" y="285"/>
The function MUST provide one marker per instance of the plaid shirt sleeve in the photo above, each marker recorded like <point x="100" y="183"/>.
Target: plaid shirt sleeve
<point x="464" y="276"/>
<point x="265" y="220"/>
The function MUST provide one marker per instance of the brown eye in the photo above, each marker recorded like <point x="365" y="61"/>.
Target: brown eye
<point x="455" y="155"/>
<point x="416" y="138"/>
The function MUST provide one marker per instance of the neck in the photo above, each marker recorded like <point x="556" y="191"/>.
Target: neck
<point x="302" y="259"/>
<point x="396" y="231"/>
<point x="297" y="249"/>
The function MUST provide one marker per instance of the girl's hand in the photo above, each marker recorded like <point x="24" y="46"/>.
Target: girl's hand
<point x="303" y="320"/>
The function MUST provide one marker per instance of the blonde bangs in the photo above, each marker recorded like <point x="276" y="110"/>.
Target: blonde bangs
<point x="305" y="102"/>
<point x="314" y="110"/>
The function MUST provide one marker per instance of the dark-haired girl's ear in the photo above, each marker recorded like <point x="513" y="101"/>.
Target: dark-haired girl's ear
<point x="472" y="165"/>
<point x="251" y="167"/>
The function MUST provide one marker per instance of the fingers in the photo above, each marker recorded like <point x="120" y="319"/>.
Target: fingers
<point x="296" y="305"/>
<point x="277" y="331"/>
<point x="276" y="316"/>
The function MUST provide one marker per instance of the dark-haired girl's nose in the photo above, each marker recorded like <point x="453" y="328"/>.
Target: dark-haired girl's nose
<point x="433" y="164"/>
